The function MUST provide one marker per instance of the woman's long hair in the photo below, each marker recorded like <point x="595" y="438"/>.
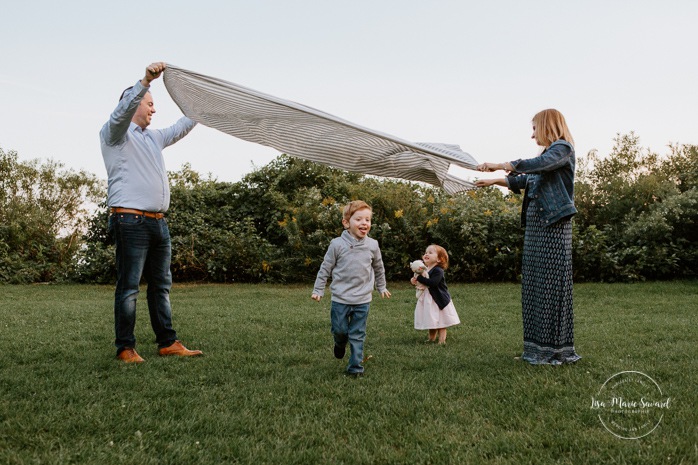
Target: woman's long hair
<point x="549" y="125"/>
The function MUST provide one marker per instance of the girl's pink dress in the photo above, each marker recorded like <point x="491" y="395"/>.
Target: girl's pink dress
<point x="428" y="316"/>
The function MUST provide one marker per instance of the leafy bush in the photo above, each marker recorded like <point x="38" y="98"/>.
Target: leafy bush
<point x="94" y="261"/>
<point x="636" y="211"/>
<point x="636" y="221"/>
<point x="43" y="212"/>
<point x="591" y="257"/>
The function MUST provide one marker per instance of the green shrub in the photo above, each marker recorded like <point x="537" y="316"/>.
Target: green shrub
<point x="43" y="211"/>
<point x="636" y="221"/>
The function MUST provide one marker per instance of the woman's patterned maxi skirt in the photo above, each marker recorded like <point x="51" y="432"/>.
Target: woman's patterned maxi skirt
<point x="546" y="291"/>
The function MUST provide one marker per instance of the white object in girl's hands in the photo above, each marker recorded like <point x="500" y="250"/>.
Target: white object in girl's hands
<point x="419" y="269"/>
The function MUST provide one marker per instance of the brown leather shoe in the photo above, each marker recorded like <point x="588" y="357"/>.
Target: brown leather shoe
<point x="130" y="355"/>
<point x="178" y="349"/>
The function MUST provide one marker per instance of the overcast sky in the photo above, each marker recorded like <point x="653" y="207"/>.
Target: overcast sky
<point x="463" y="72"/>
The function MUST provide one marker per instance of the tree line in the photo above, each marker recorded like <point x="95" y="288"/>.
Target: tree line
<point x="637" y="221"/>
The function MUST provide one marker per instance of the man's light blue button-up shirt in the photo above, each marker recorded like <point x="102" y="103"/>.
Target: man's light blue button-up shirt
<point x="136" y="172"/>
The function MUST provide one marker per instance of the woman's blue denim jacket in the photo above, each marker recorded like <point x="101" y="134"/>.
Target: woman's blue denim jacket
<point x="548" y="180"/>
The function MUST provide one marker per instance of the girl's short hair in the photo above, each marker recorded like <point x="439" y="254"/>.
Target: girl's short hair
<point x="442" y="255"/>
<point x="354" y="206"/>
<point x="550" y="126"/>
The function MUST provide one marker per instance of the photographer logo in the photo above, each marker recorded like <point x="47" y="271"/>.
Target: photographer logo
<point x="630" y="404"/>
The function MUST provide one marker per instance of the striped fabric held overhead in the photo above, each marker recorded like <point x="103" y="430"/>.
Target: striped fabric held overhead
<point x="311" y="134"/>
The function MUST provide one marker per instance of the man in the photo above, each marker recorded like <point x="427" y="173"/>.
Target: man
<point x="138" y="196"/>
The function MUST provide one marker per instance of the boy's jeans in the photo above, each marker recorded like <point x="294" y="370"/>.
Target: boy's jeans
<point x="349" y="325"/>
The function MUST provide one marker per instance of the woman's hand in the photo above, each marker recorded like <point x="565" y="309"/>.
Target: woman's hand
<point x="489" y="182"/>
<point x="489" y="167"/>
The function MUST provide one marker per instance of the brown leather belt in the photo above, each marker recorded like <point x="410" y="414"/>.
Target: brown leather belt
<point x="156" y="215"/>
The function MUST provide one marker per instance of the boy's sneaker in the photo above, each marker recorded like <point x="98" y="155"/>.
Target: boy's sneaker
<point x="339" y="351"/>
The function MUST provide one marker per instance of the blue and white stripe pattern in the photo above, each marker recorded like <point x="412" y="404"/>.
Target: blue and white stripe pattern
<point x="311" y="134"/>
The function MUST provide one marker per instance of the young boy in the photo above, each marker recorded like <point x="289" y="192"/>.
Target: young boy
<point x="354" y="262"/>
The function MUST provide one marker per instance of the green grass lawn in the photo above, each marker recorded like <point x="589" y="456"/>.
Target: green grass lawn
<point x="268" y="389"/>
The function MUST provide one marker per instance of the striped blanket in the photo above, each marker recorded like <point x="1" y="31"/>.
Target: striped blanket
<point x="311" y="134"/>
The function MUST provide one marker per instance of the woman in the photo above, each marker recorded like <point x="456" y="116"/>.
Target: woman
<point x="546" y="215"/>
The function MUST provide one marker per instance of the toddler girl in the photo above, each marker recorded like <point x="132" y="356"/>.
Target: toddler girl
<point x="435" y="310"/>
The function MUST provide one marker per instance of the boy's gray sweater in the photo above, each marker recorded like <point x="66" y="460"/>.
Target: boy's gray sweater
<point x="353" y="264"/>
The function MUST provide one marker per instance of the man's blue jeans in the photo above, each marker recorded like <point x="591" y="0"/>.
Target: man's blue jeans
<point x="349" y="325"/>
<point x="143" y="249"/>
